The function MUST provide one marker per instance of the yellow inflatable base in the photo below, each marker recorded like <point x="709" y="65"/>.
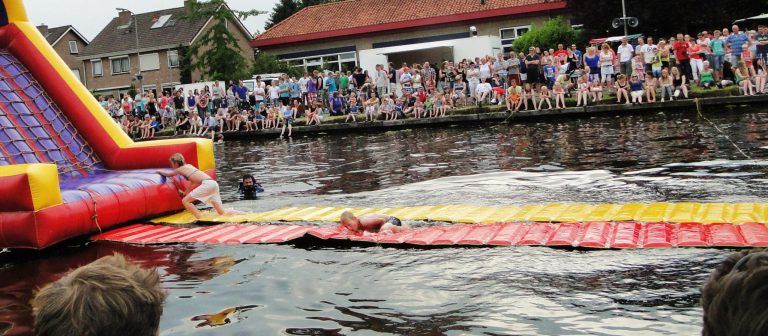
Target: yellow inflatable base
<point x="705" y="213"/>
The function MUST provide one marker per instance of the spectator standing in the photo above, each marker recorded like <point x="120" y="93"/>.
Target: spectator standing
<point x="217" y="92"/>
<point x="680" y="47"/>
<point x="303" y="87"/>
<point x="762" y="43"/>
<point x="736" y="41"/>
<point x="513" y="69"/>
<point x="382" y="81"/>
<point x="532" y="64"/>
<point x="626" y="52"/>
<point x="717" y="45"/>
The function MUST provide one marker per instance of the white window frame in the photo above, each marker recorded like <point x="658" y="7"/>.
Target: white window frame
<point x="93" y="68"/>
<point x="178" y="61"/>
<point x="112" y="68"/>
<point x="73" y="47"/>
<point x="339" y="60"/>
<point x="516" y="31"/>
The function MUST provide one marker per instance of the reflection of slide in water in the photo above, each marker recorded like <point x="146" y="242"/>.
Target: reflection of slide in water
<point x="66" y="168"/>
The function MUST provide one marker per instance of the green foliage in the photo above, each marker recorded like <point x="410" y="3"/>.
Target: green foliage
<point x="552" y="32"/>
<point x="662" y="18"/>
<point x="285" y="8"/>
<point x="264" y="63"/>
<point x="185" y="65"/>
<point x="216" y="53"/>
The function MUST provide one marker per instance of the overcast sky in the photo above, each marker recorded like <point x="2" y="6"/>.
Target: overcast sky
<point x="89" y="16"/>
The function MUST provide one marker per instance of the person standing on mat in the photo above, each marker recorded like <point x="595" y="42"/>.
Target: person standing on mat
<point x="201" y="187"/>
<point x="371" y="223"/>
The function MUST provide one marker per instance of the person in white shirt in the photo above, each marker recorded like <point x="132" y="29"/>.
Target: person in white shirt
<point x="274" y="93"/>
<point x="649" y="52"/>
<point x="303" y="88"/>
<point x="626" y="51"/>
<point x="382" y="81"/>
<point x="482" y="91"/>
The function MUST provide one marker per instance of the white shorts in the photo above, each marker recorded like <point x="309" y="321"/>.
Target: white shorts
<point x="207" y="192"/>
<point x="637" y="94"/>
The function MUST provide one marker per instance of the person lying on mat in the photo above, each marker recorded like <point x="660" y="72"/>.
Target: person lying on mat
<point x="201" y="187"/>
<point x="370" y="223"/>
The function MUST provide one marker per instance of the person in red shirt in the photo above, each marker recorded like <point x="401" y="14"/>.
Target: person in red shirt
<point x="680" y="48"/>
<point x="561" y="52"/>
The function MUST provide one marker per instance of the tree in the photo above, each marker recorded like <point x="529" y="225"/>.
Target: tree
<point x="285" y="8"/>
<point x="265" y="63"/>
<point x="661" y="18"/>
<point x="552" y="32"/>
<point x="216" y="53"/>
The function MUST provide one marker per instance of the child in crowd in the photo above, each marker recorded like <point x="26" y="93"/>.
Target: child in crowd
<point x="371" y="105"/>
<point x="559" y="92"/>
<point x="440" y="105"/>
<point x="182" y="124"/>
<point x="666" y="84"/>
<point x="514" y="100"/>
<point x="353" y="108"/>
<point x="418" y="109"/>
<point x="638" y="67"/>
<point x="651" y="83"/>
<point x="582" y="92"/>
<point x="622" y="88"/>
<point x="544" y="96"/>
<point x="529" y="94"/>
<point x="636" y="90"/>
<point x="287" y="115"/>
<point x="459" y="91"/>
<point x="760" y="76"/>
<point x="549" y="73"/>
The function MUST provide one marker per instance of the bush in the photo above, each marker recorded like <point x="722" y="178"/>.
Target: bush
<point x="553" y="31"/>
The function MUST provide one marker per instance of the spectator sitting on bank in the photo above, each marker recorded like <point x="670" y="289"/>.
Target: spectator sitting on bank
<point x="734" y="299"/>
<point x="110" y="296"/>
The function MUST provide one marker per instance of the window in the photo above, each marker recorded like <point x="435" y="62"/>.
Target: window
<point x="332" y="62"/>
<point x="150" y="62"/>
<point x="173" y="58"/>
<point x="98" y="70"/>
<point x="509" y="35"/>
<point x="120" y="65"/>
<point x="76" y="72"/>
<point x="160" y="22"/>
<point x="73" y="47"/>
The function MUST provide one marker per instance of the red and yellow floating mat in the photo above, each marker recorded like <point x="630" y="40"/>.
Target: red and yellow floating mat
<point x="601" y="235"/>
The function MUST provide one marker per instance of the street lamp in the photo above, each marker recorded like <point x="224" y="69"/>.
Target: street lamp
<point x="139" y="76"/>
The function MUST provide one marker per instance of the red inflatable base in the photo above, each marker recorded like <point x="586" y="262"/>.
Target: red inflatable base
<point x="587" y="235"/>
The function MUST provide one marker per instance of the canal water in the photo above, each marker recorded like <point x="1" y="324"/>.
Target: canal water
<point x="289" y="290"/>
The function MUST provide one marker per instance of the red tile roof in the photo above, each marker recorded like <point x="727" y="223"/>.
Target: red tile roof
<point x="352" y="17"/>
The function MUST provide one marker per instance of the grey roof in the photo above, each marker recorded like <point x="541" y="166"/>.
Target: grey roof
<point x="55" y="33"/>
<point x="112" y="39"/>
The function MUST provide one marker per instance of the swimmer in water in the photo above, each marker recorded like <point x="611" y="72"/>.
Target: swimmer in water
<point x="249" y="188"/>
<point x="371" y="223"/>
<point x="201" y="187"/>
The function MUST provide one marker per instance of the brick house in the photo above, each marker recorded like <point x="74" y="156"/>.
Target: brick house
<point x="111" y="61"/>
<point x="68" y="43"/>
<point x="374" y="32"/>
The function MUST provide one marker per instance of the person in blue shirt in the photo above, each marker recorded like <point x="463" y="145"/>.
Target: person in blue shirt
<point x="549" y="73"/>
<point x="337" y="104"/>
<point x="330" y="84"/>
<point x="736" y="40"/>
<point x="241" y="92"/>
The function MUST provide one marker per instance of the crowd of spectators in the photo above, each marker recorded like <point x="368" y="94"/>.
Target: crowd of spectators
<point x="635" y="72"/>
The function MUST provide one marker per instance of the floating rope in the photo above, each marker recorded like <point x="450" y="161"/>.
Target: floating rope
<point x="698" y="110"/>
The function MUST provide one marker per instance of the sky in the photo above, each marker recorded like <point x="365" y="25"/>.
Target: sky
<point x="89" y="16"/>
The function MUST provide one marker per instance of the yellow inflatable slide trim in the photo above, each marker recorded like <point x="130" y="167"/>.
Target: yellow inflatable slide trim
<point x="705" y="213"/>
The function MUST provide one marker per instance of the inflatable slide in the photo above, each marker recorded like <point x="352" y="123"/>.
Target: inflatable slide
<point x="66" y="168"/>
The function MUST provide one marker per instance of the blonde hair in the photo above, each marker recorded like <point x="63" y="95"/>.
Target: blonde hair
<point x="347" y="216"/>
<point x="110" y="296"/>
<point x="178" y="159"/>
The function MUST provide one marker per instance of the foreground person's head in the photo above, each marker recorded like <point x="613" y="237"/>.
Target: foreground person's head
<point x="110" y="296"/>
<point x="735" y="297"/>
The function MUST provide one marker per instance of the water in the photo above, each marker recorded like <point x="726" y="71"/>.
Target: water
<point x="287" y="290"/>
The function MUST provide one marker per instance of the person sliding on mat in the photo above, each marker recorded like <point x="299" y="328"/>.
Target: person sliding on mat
<point x="201" y="187"/>
<point x="371" y="223"/>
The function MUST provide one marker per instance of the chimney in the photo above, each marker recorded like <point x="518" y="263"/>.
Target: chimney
<point x="123" y="18"/>
<point x="43" y="28"/>
<point x="188" y="6"/>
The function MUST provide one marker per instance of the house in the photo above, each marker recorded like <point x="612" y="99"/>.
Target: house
<point x="68" y="43"/>
<point x="371" y="32"/>
<point x="112" y="59"/>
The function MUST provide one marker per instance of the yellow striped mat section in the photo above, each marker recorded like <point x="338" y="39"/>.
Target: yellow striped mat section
<point x="706" y="213"/>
